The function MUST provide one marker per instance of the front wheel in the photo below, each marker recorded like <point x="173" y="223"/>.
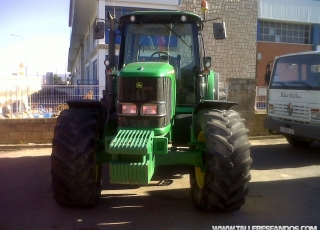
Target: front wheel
<point x="76" y="178"/>
<point x="298" y="143"/>
<point x="223" y="184"/>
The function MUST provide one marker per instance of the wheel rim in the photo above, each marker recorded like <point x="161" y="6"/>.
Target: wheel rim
<point x="199" y="177"/>
<point x="199" y="173"/>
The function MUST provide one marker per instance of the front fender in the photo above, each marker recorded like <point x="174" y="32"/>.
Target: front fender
<point x="202" y="107"/>
<point x="221" y="105"/>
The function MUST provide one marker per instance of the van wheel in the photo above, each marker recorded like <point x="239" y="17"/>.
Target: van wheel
<point x="295" y="142"/>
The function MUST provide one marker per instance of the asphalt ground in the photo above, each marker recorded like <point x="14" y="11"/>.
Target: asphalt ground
<point x="284" y="191"/>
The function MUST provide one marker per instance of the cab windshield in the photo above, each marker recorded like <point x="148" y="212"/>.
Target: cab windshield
<point x="301" y="72"/>
<point x="159" y="42"/>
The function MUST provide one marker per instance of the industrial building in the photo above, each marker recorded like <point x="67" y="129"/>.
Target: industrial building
<point x="232" y="58"/>
<point x="285" y="26"/>
<point x="257" y="30"/>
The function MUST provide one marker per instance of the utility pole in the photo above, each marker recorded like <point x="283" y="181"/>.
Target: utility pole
<point x="25" y="51"/>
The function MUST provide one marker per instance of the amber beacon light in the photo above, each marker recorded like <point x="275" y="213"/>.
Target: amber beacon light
<point x="204" y="7"/>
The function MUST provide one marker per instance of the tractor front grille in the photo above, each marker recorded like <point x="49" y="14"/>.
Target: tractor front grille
<point x="141" y="90"/>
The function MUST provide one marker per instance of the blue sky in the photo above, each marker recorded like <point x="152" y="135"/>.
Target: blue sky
<point x="44" y="28"/>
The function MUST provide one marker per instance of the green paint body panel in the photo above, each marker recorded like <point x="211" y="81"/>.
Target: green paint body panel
<point x="157" y="131"/>
<point x="160" y="145"/>
<point x="136" y="153"/>
<point x="181" y="157"/>
<point x="211" y="86"/>
<point x="137" y="142"/>
<point x="123" y="172"/>
<point x="153" y="70"/>
<point x="147" y="69"/>
<point x="132" y="157"/>
<point x="184" y="109"/>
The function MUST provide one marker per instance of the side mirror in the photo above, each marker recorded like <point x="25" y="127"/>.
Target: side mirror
<point x="207" y="62"/>
<point x="98" y="30"/>
<point x="267" y="77"/>
<point x="219" y="30"/>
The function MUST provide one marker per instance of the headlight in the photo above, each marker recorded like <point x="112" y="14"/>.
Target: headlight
<point x="315" y="114"/>
<point x="129" y="109"/>
<point x="270" y="108"/>
<point x="153" y="109"/>
<point x="149" y="109"/>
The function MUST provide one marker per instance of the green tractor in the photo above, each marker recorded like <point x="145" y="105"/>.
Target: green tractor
<point x="161" y="106"/>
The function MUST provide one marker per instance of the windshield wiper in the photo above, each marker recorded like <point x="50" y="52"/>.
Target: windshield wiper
<point x="175" y="34"/>
<point x="281" y="83"/>
<point x="302" y="83"/>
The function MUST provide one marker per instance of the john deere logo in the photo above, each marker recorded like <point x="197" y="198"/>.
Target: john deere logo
<point x="139" y="85"/>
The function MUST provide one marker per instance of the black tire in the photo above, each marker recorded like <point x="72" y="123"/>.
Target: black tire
<point x="227" y="163"/>
<point x="76" y="178"/>
<point x="298" y="143"/>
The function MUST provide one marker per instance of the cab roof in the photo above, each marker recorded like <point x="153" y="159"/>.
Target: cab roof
<point x="159" y="17"/>
<point x="300" y="53"/>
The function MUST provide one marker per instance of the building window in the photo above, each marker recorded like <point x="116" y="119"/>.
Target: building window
<point x="283" y="32"/>
<point x="88" y="72"/>
<point x="94" y="70"/>
<point x="88" y="46"/>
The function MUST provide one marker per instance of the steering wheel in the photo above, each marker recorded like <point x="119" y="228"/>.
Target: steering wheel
<point x="161" y="52"/>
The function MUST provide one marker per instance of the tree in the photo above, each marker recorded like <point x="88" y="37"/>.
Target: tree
<point x="56" y="79"/>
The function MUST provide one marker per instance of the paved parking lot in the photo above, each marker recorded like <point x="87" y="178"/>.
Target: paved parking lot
<point x="284" y="191"/>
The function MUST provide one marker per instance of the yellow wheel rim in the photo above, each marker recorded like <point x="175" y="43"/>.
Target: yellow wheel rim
<point x="199" y="173"/>
<point x="199" y="177"/>
<point x="201" y="137"/>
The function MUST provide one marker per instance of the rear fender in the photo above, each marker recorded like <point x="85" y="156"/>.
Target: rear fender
<point x="85" y="103"/>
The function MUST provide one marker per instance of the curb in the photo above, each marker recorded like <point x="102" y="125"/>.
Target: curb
<point x="253" y="138"/>
<point x="24" y="146"/>
<point x="49" y="145"/>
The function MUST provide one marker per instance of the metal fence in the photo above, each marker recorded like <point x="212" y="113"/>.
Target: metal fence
<point x="47" y="102"/>
<point x="50" y="100"/>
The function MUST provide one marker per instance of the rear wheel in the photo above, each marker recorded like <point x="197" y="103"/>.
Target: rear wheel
<point x="76" y="178"/>
<point x="295" y="142"/>
<point x="223" y="184"/>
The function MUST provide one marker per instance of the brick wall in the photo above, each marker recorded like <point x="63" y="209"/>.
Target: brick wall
<point x="243" y="92"/>
<point x="20" y="131"/>
<point x="23" y="131"/>
<point x="255" y="125"/>
<point x="269" y="50"/>
<point x="234" y="57"/>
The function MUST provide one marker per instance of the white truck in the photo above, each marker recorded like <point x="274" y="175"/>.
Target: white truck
<point x="294" y="98"/>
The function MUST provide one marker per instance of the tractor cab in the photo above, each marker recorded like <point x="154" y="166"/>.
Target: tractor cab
<point x="166" y="41"/>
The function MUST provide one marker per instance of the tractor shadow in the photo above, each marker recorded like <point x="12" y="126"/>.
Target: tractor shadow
<point x="163" y="176"/>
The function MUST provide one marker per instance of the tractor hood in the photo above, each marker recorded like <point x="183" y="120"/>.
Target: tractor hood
<point x="147" y="69"/>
